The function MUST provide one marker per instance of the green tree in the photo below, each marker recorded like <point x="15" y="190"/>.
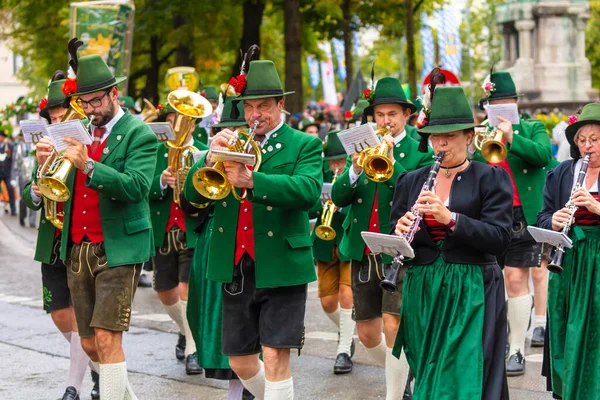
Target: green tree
<point x="592" y="41"/>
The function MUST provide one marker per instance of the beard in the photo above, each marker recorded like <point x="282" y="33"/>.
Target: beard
<point x="103" y="116"/>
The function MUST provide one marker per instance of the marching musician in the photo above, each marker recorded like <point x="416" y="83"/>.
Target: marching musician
<point x="528" y="155"/>
<point x="333" y="268"/>
<point x="175" y="241"/>
<point x="107" y="231"/>
<point x="370" y="209"/>
<point x="56" y="298"/>
<point x="573" y="306"/>
<point x="453" y="321"/>
<point x="260" y="247"/>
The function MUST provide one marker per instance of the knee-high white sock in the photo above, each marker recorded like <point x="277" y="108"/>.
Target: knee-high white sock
<point x="190" y="345"/>
<point x="113" y="381"/>
<point x="78" y="362"/>
<point x="282" y="390"/>
<point x="67" y="335"/>
<point x="256" y="384"/>
<point x="177" y="313"/>
<point x="378" y="353"/>
<point x="236" y="390"/>
<point x="396" y="372"/>
<point x="334" y="316"/>
<point x="346" y="331"/>
<point x="519" y="311"/>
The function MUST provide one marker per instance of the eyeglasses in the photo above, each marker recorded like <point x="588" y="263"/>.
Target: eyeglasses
<point x="582" y="141"/>
<point x="95" y="102"/>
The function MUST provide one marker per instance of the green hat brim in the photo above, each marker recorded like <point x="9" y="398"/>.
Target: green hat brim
<point x="304" y="128"/>
<point x="51" y="104"/>
<point x="100" y="86"/>
<point x="335" y="157"/>
<point x="439" y="129"/>
<point x="572" y="129"/>
<point x="504" y="97"/>
<point x="370" y="109"/>
<point x="262" y="96"/>
<point x="226" y="124"/>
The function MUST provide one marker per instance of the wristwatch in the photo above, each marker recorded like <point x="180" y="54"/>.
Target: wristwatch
<point x="453" y="218"/>
<point x="89" y="167"/>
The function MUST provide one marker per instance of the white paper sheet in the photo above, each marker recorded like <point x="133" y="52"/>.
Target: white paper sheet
<point x="388" y="244"/>
<point x="73" y="129"/>
<point x="198" y="155"/>
<point x="359" y="138"/>
<point x="551" y="237"/>
<point x="33" y="130"/>
<point x="326" y="191"/>
<point x="162" y="130"/>
<point x="224" y="155"/>
<point x="507" y="111"/>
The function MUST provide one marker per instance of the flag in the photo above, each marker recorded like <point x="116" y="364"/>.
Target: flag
<point x="449" y="39"/>
<point x="427" y="43"/>
<point x="338" y="48"/>
<point x="327" y="77"/>
<point x="313" y="70"/>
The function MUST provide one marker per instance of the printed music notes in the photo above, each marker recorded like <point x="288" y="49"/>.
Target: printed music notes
<point x="33" y="130"/>
<point x="388" y="244"/>
<point x="359" y="138"/>
<point x="73" y="129"/>
<point x="162" y="130"/>
<point x="506" y="111"/>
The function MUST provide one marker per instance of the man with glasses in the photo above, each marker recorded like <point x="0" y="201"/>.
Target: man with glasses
<point x="107" y="231"/>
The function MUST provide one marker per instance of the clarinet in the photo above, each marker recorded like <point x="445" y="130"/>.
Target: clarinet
<point x="391" y="278"/>
<point x="557" y="253"/>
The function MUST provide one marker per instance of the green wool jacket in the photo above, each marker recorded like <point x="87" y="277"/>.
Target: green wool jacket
<point x="323" y="249"/>
<point x="160" y="201"/>
<point x="362" y="195"/>
<point x="200" y="135"/>
<point x="286" y="186"/>
<point x="46" y="231"/>
<point x="122" y="178"/>
<point x="528" y="157"/>
<point x="412" y="132"/>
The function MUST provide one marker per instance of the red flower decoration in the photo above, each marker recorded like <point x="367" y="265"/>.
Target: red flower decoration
<point x="203" y="95"/>
<point x="238" y="83"/>
<point x="572" y="119"/>
<point x="368" y="94"/>
<point x="348" y="114"/>
<point x="43" y="103"/>
<point x="69" y="87"/>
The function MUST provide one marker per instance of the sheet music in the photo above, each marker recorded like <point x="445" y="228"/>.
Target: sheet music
<point x="388" y="244"/>
<point x="198" y="155"/>
<point x="506" y="111"/>
<point x="326" y="191"/>
<point x="73" y="129"/>
<point x="359" y="138"/>
<point x="162" y="130"/>
<point x="220" y="156"/>
<point x="551" y="237"/>
<point x="33" y="130"/>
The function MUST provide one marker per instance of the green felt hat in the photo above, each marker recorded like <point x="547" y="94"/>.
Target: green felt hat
<point x="94" y="75"/>
<point x="305" y="123"/>
<point x="590" y="115"/>
<point x="334" y="150"/>
<point x="361" y="105"/>
<point x="262" y="81"/>
<point x="231" y="119"/>
<point x="389" y="91"/>
<point x="56" y="97"/>
<point x="450" y="112"/>
<point x="127" y="102"/>
<point x="210" y="92"/>
<point x="419" y="104"/>
<point x="504" y="87"/>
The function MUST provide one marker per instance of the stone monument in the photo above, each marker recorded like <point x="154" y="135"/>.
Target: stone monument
<point x="543" y="47"/>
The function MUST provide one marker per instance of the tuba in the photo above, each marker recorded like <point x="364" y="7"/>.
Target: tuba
<point x="489" y="143"/>
<point x="53" y="175"/>
<point x="188" y="106"/>
<point x="212" y="183"/>
<point x="374" y="160"/>
<point x="149" y="112"/>
<point x="325" y="231"/>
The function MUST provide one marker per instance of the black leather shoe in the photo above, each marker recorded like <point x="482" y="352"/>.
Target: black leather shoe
<point x="191" y="365"/>
<point x="96" y="389"/>
<point x="70" y="394"/>
<point x="537" y="339"/>
<point x="180" y="348"/>
<point x="343" y="364"/>
<point x="516" y="364"/>
<point x="145" y="281"/>
<point x="408" y="389"/>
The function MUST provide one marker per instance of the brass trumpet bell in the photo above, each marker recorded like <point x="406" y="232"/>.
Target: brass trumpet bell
<point x="374" y="160"/>
<point x="491" y="146"/>
<point x="325" y="232"/>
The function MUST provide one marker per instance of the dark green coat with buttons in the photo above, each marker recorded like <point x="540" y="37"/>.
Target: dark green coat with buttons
<point x="362" y="195"/>
<point x="160" y="201"/>
<point x="287" y="185"/>
<point x="122" y="179"/>
<point x="528" y="158"/>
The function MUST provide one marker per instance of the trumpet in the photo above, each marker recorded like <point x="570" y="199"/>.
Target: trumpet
<point x="325" y="231"/>
<point x="53" y="175"/>
<point x="374" y="160"/>
<point x="212" y="183"/>
<point x="489" y="143"/>
<point x="391" y="277"/>
<point x="557" y="253"/>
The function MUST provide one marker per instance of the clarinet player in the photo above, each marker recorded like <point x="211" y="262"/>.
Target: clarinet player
<point x="453" y="316"/>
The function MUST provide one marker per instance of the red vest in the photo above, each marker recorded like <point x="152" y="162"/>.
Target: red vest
<point x="85" y="211"/>
<point x="176" y="217"/>
<point x="374" y="220"/>
<point x="244" y="236"/>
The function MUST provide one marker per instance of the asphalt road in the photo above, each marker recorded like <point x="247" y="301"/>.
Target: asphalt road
<point x="35" y="356"/>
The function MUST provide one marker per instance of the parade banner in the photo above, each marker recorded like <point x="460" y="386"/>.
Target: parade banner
<point x="327" y="77"/>
<point x="426" y="36"/>
<point x="448" y="22"/>
<point x="105" y="28"/>
<point x="338" y="48"/>
<point x="313" y="71"/>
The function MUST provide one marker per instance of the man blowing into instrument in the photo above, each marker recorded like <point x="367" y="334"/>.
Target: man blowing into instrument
<point x="107" y="232"/>
<point x="261" y="247"/>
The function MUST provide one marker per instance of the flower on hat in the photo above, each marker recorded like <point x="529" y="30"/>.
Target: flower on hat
<point x="348" y="115"/>
<point x="69" y="87"/>
<point x="368" y="94"/>
<point x="572" y="119"/>
<point x="161" y="109"/>
<point x="238" y="83"/>
<point x="488" y="86"/>
<point x="43" y="103"/>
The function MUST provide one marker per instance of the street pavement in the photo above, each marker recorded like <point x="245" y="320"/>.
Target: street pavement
<point x="35" y="356"/>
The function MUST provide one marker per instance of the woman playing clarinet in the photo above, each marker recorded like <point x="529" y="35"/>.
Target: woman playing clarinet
<point x="453" y="316"/>
<point x="571" y="200"/>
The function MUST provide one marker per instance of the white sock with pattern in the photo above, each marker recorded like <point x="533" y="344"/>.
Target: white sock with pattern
<point x="334" y="317"/>
<point x="346" y="331"/>
<point x="256" y="384"/>
<point x="177" y="313"/>
<point x="396" y="372"/>
<point x="519" y="312"/>
<point x="378" y="353"/>
<point x="113" y="381"/>
<point x="282" y="390"/>
<point x="190" y="345"/>
<point x="78" y="362"/>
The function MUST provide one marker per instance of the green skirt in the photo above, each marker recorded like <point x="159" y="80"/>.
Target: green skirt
<point x="574" y="319"/>
<point x="441" y="327"/>
<point x="204" y="308"/>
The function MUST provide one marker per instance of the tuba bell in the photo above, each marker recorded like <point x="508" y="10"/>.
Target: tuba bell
<point x="374" y="160"/>
<point x="489" y="143"/>
<point x="325" y="231"/>
<point x="53" y="175"/>
<point x="189" y="106"/>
